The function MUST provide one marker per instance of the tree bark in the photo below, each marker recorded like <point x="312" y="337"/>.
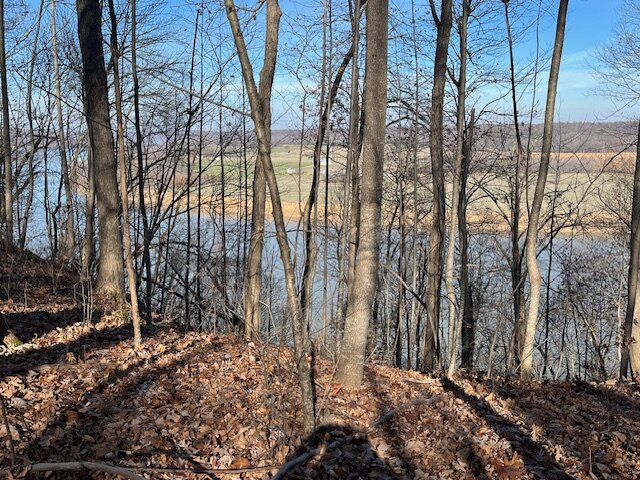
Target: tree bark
<point x="454" y="324"/>
<point x="467" y="314"/>
<point x="535" y="279"/>
<point x="124" y="195"/>
<point x="6" y="138"/>
<point x="630" y="359"/>
<point x="69" y="242"/>
<point x="360" y="303"/>
<point x="515" y="262"/>
<point x="110" y="278"/>
<point x="431" y="348"/>
<point x="262" y="125"/>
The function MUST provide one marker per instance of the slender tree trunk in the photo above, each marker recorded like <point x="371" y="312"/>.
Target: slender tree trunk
<point x="412" y="337"/>
<point x="146" y="231"/>
<point x="352" y="152"/>
<point x="630" y="357"/>
<point x="88" y="245"/>
<point x="515" y="262"/>
<point x="124" y="191"/>
<point x="6" y="138"/>
<point x="431" y="352"/>
<point x="110" y="269"/>
<point x="361" y="298"/>
<point x="33" y="143"/>
<point x="535" y="278"/>
<point x="454" y="324"/>
<point x="309" y="228"/>
<point x="467" y="314"/>
<point x="69" y="242"/>
<point x="262" y="122"/>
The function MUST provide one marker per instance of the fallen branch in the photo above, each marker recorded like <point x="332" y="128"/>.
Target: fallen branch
<point x="209" y="471"/>
<point x="80" y="466"/>
<point x="303" y="458"/>
<point x="428" y="381"/>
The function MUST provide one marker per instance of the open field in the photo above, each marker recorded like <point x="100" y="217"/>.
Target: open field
<point x="588" y="186"/>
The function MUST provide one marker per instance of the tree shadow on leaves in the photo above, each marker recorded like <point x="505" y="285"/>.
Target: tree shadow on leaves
<point x="599" y="419"/>
<point x="340" y="452"/>
<point x="390" y="428"/>
<point x="456" y="450"/>
<point x="22" y="361"/>
<point x="87" y="429"/>
<point x="536" y="458"/>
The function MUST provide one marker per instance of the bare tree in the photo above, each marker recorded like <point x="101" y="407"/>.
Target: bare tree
<point x="535" y="279"/>
<point x="6" y="137"/>
<point x="362" y="295"/>
<point x="630" y="360"/>
<point x="461" y="83"/>
<point x="69" y="234"/>
<point x="124" y="191"/>
<point x="431" y="348"/>
<point x="110" y="269"/>
<point x="262" y="122"/>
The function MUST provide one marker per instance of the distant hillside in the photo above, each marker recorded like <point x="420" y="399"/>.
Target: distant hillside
<point x="569" y="137"/>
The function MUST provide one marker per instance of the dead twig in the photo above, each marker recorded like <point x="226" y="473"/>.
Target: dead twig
<point x="303" y="458"/>
<point x="210" y="471"/>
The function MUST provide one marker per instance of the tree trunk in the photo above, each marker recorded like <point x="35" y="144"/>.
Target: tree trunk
<point x="630" y="359"/>
<point x="431" y="348"/>
<point x="6" y="139"/>
<point x="535" y="278"/>
<point x="33" y="142"/>
<point x="515" y="262"/>
<point x="146" y="232"/>
<point x="69" y="242"/>
<point x="262" y="123"/>
<point x="110" y="269"/>
<point x="124" y="195"/>
<point x="467" y="315"/>
<point x="88" y="245"/>
<point x="454" y="324"/>
<point x="361" y="297"/>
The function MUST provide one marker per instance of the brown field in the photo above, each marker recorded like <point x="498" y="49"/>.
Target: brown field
<point x="587" y="181"/>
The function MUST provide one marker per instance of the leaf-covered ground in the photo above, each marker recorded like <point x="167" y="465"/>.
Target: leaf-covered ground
<point x="195" y="405"/>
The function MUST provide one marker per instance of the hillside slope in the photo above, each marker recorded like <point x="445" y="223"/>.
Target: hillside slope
<point x="197" y="405"/>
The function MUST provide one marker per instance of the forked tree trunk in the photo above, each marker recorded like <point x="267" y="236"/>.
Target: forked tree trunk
<point x="431" y="348"/>
<point x="361" y="296"/>
<point x="110" y="268"/>
<point x="535" y="279"/>
<point x="263" y="127"/>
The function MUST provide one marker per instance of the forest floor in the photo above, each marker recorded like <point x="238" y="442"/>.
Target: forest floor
<point x="198" y="405"/>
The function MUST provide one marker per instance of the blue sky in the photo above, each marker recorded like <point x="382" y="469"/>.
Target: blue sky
<point x="590" y="23"/>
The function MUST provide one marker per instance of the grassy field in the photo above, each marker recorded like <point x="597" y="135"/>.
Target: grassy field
<point x="587" y="183"/>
